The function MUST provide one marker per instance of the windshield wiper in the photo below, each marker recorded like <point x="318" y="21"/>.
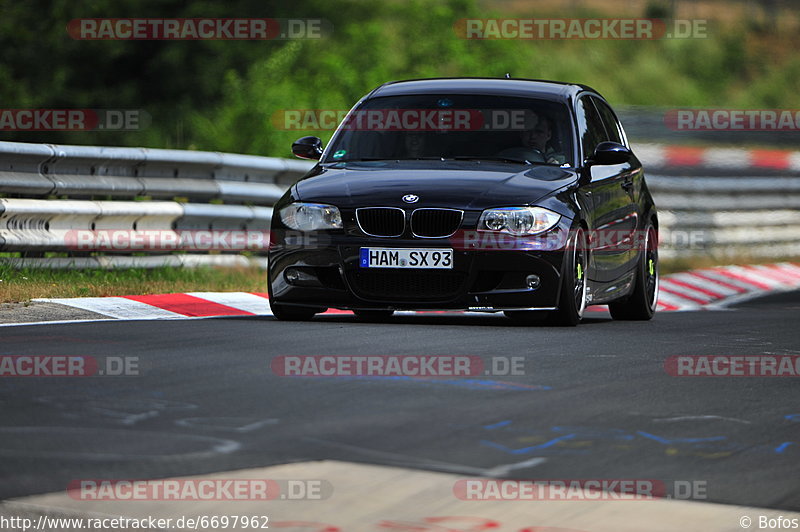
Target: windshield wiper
<point x="362" y="159"/>
<point x="466" y="158"/>
<point x="441" y="158"/>
<point x="490" y="158"/>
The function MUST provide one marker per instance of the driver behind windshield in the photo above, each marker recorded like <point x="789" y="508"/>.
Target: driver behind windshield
<point x="536" y="143"/>
<point x="414" y="143"/>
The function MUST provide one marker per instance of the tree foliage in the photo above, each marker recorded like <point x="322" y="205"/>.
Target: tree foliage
<point x="225" y="95"/>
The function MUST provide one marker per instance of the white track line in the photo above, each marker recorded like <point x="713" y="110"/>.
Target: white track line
<point x="117" y="307"/>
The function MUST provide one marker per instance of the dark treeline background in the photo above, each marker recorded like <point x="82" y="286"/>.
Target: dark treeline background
<point x="224" y="95"/>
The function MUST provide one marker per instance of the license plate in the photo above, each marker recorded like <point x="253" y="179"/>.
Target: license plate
<point x="406" y="258"/>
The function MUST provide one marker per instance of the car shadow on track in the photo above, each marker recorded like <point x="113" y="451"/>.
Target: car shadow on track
<point x="432" y="319"/>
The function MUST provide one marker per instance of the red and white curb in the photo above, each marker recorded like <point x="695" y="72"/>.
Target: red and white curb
<point x="659" y="155"/>
<point x="705" y="289"/>
<point x="720" y="287"/>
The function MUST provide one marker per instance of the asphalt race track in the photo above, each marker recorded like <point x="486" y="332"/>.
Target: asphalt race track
<point x="595" y="401"/>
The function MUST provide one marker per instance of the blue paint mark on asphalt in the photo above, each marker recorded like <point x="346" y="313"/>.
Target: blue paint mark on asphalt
<point x="530" y="449"/>
<point x="472" y="384"/>
<point x="498" y="425"/>
<point x="679" y="440"/>
<point x="595" y="435"/>
<point x="782" y="447"/>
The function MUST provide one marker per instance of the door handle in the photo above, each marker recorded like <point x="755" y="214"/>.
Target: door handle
<point x="627" y="184"/>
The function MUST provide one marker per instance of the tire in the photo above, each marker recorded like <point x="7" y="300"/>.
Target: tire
<point x="640" y="305"/>
<point x="292" y="313"/>
<point x="572" y="298"/>
<point x="373" y="315"/>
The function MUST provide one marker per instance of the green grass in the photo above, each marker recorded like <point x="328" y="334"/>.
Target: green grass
<point x="21" y="285"/>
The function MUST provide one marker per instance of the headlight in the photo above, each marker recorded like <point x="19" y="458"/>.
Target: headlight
<point x="518" y="221"/>
<point x="311" y="216"/>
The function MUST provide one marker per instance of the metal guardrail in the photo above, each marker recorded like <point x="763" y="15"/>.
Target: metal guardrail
<point x="54" y="192"/>
<point x="728" y="216"/>
<point x="38" y="170"/>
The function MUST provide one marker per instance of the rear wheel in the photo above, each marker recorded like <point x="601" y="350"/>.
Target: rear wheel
<point x="641" y="304"/>
<point x="293" y="313"/>
<point x="572" y="301"/>
<point x="373" y="315"/>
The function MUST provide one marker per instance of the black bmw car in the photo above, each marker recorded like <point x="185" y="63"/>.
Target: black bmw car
<point x="511" y="195"/>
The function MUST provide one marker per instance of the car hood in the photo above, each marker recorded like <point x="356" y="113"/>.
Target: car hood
<point x="461" y="184"/>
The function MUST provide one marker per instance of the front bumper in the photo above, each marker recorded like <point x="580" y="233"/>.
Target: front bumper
<point x="327" y="274"/>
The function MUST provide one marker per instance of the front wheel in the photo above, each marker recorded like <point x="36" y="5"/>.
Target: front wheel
<point x="641" y="304"/>
<point x="572" y="301"/>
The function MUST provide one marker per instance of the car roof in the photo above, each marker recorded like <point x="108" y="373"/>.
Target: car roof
<point x="532" y="88"/>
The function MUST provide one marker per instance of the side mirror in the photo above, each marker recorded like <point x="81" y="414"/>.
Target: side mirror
<point x="307" y="148"/>
<point x="607" y="153"/>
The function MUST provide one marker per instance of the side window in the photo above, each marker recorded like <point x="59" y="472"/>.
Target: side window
<point x="609" y="120"/>
<point x="590" y="126"/>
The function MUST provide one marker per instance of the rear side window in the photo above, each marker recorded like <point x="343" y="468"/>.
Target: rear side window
<point x="609" y="120"/>
<point x="590" y="126"/>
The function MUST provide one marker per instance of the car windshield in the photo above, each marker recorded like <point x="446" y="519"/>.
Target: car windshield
<point x="460" y="126"/>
